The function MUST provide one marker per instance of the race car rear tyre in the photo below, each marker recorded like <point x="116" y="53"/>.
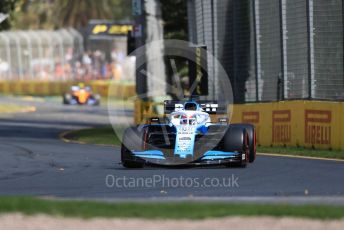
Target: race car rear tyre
<point x="132" y="140"/>
<point x="251" y="131"/>
<point x="236" y="139"/>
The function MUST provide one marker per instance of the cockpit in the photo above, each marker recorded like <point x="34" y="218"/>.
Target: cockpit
<point x="185" y="120"/>
<point x="190" y="106"/>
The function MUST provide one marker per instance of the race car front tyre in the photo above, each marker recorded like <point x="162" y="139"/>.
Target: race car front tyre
<point x="251" y="131"/>
<point x="252" y="141"/>
<point x="96" y="99"/>
<point x="132" y="140"/>
<point x="236" y="139"/>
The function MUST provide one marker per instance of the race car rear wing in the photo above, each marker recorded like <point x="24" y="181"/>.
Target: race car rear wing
<point x="210" y="107"/>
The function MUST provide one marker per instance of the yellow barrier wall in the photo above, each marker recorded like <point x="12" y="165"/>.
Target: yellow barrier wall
<point x="58" y="88"/>
<point x="317" y="124"/>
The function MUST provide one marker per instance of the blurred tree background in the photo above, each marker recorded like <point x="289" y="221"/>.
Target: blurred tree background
<point x="53" y="14"/>
<point x="7" y="7"/>
<point x="174" y="14"/>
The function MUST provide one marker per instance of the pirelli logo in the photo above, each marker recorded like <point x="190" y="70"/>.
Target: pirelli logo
<point x="318" y="127"/>
<point x="252" y="118"/>
<point x="281" y="126"/>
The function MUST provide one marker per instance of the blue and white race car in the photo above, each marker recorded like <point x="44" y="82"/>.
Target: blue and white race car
<point x="188" y="137"/>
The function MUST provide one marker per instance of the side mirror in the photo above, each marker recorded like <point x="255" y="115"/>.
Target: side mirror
<point x="223" y="120"/>
<point x="154" y="120"/>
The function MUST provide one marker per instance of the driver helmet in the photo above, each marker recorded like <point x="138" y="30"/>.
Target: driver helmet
<point x="190" y="106"/>
<point x="81" y="85"/>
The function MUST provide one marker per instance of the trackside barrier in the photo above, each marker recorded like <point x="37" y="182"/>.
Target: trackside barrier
<point x="316" y="124"/>
<point x="145" y="110"/>
<point x="37" y="88"/>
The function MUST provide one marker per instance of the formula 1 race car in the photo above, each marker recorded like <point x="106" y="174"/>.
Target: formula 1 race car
<point x="188" y="137"/>
<point x="81" y="95"/>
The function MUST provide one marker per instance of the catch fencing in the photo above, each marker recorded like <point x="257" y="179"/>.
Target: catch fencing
<point x="39" y="54"/>
<point x="274" y="50"/>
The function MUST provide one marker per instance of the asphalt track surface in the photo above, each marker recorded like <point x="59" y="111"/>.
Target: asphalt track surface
<point x="34" y="161"/>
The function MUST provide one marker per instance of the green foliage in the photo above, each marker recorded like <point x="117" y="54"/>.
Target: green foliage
<point x="52" y="14"/>
<point x="103" y="135"/>
<point x="78" y="13"/>
<point x="6" y="7"/>
<point x="301" y="151"/>
<point x="33" y="15"/>
<point x="164" y="210"/>
<point x="174" y="14"/>
<point x="121" y="9"/>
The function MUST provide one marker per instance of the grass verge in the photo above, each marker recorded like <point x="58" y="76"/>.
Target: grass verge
<point x="105" y="135"/>
<point x="301" y="151"/>
<point x="179" y="210"/>
<point x="13" y="108"/>
<point x="102" y="135"/>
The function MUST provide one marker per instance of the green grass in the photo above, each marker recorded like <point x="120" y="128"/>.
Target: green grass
<point x="301" y="151"/>
<point x="103" y="135"/>
<point x="12" y="108"/>
<point x="177" y="210"/>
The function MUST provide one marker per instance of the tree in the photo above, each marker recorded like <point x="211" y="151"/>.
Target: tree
<point x="53" y="14"/>
<point x="33" y="15"/>
<point x="121" y="9"/>
<point x="6" y="7"/>
<point x="174" y="14"/>
<point x="77" y="13"/>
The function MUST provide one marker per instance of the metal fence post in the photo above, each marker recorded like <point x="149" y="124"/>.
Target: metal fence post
<point x="48" y="37"/>
<point x="257" y="47"/>
<point x="19" y="52"/>
<point x="283" y="34"/>
<point x="8" y="54"/>
<point x="310" y="44"/>
<point x="79" y="38"/>
<point x="39" y="44"/>
<point x="29" y="46"/>
<point x="60" y="40"/>
<point x="213" y="49"/>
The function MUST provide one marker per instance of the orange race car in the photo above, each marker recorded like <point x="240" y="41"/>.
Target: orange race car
<point x="81" y="95"/>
